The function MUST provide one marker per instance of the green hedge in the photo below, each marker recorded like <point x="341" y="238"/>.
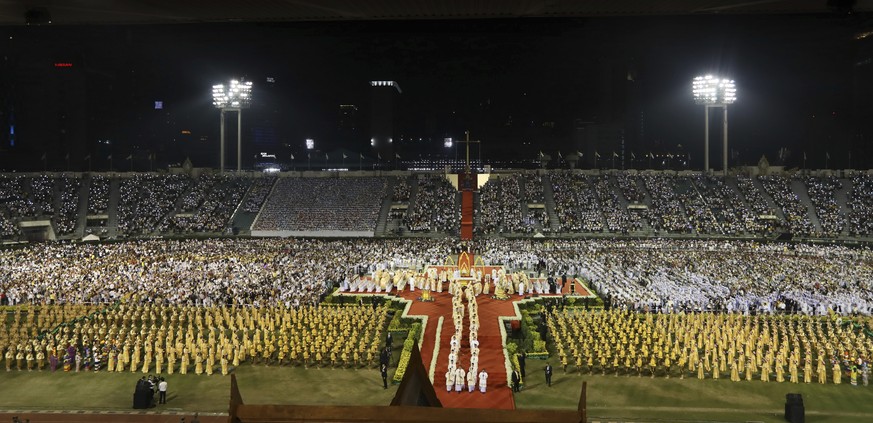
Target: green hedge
<point x="532" y="341"/>
<point x="408" y="344"/>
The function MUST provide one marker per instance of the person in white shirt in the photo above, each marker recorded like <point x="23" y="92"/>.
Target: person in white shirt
<point x="162" y="391"/>
<point x="483" y="381"/>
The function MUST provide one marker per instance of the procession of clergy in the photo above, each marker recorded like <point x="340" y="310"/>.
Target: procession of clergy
<point x="152" y="338"/>
<point x="456" y="376"/>
<point x="386" y="279"/>
<point x="712" y="345"/>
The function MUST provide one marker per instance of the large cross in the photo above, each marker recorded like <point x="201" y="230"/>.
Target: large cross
<point x="439" y="326"/>
<point x="468" y="142"/>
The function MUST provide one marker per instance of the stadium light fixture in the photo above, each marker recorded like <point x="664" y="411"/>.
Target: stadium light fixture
<point x="310" y="144"/>
<point x="232" y="97"/>
<point x="712" y="91"/>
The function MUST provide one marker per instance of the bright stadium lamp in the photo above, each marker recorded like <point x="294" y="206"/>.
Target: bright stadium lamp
<point x="712" y="91"/>
<point x="233" y="97"/>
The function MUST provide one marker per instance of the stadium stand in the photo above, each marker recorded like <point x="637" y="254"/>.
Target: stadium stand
<point x="322" y="206"/>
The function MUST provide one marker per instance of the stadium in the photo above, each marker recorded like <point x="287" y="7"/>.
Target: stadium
<point x="593" y="278"/>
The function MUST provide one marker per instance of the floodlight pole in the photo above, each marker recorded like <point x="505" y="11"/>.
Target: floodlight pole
<point x="239" y="140"/>
<point x="221" y="153"/>
<point x="724" y="153"/>
<point x="706" y="138"/>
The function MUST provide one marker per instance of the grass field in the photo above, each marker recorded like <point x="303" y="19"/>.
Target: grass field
<point x="622" y="398"/>
<point x="257" y="384"/>
<point x="674" y="399"/>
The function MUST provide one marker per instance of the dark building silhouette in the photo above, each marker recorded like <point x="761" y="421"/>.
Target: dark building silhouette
<point x="384" y="109"/>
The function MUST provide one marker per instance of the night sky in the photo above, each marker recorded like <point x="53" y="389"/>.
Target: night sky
<point x="455" y="75"/>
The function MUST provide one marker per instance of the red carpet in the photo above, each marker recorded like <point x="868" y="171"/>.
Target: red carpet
<point x="498" y="394"/>
<point x="491" y="358"/>
<point x="467" y="214"/>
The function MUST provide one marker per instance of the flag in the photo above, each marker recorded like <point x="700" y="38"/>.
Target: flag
<point x="309" y="156"/>
<point x="559" y="155"/>
<point x="804" y="155"/>
<point x="379" y="155"/>
<point x="827" y="155"/>
<point x="596" y="154"/>
<point x="580" y="154"/>
<point x="67" y="157"/>
<point x="541" y="153"/>
<point x="109" y="157"/>
<point x="614" y="154"/>
<point x="88" y="157"/>
<point x="397" y="156"/>
<point x="151" y="156"/>
<point x="292" y="157"/>
<point x="325" y="156"/>
<point x="651" y="155"/>
<point x="361" y="156"/>
<point x="633" y="156"/>
<point x="43" y="156"/>
<point x="344" y="156"/>
<point x="130" y="157"/>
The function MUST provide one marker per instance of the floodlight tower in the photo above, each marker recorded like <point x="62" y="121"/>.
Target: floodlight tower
<point x="711" y="91"/>
<point x="232" y="98"/>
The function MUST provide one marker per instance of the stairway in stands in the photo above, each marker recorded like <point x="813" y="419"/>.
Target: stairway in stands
<point x="382" y="221"/>
<point x="112" y="211"/>
<point x="799" y="188"/>
<point x="549" y="200"/>
<point x="842" y="198"/>
<point x="82" y="218"/>
<point x="771" y="204"/>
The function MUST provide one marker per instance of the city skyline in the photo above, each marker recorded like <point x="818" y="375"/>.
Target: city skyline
<point x="521" y="86"/>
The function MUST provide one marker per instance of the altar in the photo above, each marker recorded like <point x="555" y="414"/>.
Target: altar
<point x="465" y="280"/>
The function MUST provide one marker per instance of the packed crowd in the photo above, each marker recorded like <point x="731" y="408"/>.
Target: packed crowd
<point x="665" y="212"/>
<point x="38" y="197"/>
<point x="860" y="206"/>
<point x="14" y="198"/>
<point x="796" y="217"/>
<point x="576" y="203"/>
<point x="261" y="188"/>
<point x="766" y="348"/>
<point x="618" y="219"/>
<point x="98" y="194"/>
<point x="13" y="205"/>
<point x="146" y="201"/>
<point x="68" y="208"/>
<point x="180" y="272"/>
<point x="152" y="204"/>
<point x="323" y="204"/>
<point x="210" y="205"/>
<point x="435" y="209"/>
<point x="700" y="215"/>
<point x="501" y="205"/>
<point x="822" y="193"/>
<point x="42" y="191"/>
<point x="400" y="192"/>
<point x="754" y="214"/>
<point x="656" y="275"/>
<point x="674" y="275"/>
